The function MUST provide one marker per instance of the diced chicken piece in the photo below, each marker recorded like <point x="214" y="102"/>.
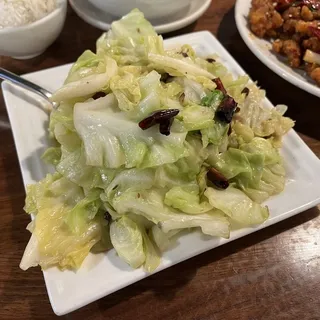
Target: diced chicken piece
<point x="256" y="4"/>
<point x="264" y="19"/>
<point x="289" y="26"/>
<point x="312" y="44"/>
<point x="306" y="14"/>
<point x="272" y="33"/>
<point x="277" y="46"/>
<point x="284" y="36"/>
<point x="310" y="66"/>
<point x="313" y="70"/>
<point x="297" y="37"/>
<point x="303" y="27"/>
<point x="292" y="13"/>
<point x="316" y="14"/>
<point x="292" y="50"/>
<point x="315" y="75"/>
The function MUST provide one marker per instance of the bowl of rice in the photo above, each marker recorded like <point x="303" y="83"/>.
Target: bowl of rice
<point x="29" y="27"/>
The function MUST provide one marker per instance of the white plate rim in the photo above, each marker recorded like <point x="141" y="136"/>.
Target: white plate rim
<point x="204" y="37"/>
<point x="248" y="37"/>
<point x="161" y="28"/>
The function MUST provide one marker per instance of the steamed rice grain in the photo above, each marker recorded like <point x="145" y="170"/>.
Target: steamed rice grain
<point x="14" y="13"/>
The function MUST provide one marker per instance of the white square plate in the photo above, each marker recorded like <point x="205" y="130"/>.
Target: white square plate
<point x="103" y="274"/>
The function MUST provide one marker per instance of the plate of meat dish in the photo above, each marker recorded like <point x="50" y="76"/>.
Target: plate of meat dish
<point x="285" y="36"/>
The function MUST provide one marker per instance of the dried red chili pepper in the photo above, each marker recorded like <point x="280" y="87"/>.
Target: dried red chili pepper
<point x="226" y="109"/>
<point x="315" y="31"/>
<point x="229" y="130"/>
<point x="245" y="91"/>
<point x="217" y="178"/>
<point x="165" y="77"/>
<point x="165" y="127"/>
<point x="98" y="95"/>
<point x="107" y="216"/>
<point x="311" y="4"/>
<point x="182" y="97"/>
<point x="220" y="85"/>
<point x="147" y="123"/>
<point x="284" y="4"/>
<point x="162" y="117"/>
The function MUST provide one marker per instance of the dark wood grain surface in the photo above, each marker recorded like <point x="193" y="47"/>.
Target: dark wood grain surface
<point x="272" y="274"/>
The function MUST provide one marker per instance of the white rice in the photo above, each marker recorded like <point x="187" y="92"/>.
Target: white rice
<point x="14" y="13"/>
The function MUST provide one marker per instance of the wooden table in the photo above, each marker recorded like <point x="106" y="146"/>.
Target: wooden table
<point x="271" y="274"/>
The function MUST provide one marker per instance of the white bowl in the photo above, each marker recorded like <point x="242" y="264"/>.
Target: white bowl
<point x="25" y="42"/>
<point x="152" y="9"/>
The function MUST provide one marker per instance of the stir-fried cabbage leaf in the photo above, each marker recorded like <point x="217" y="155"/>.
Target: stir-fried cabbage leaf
<point x="66" y="226"/>
<point x="127" y="239"/>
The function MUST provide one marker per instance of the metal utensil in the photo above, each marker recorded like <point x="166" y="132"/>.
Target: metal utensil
<point x="23" y="83"/>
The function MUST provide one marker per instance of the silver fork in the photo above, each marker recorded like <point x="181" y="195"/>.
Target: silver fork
<point x="23" y="83"/>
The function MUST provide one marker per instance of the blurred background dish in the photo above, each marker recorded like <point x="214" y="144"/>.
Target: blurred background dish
<point x="152" y="9"/>
<point x="262" y="49"/>
<point x="102" y="19"/>
<point x="29" y="40"/>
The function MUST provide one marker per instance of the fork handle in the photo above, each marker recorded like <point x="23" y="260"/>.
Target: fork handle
<point x="21" y="82"/>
